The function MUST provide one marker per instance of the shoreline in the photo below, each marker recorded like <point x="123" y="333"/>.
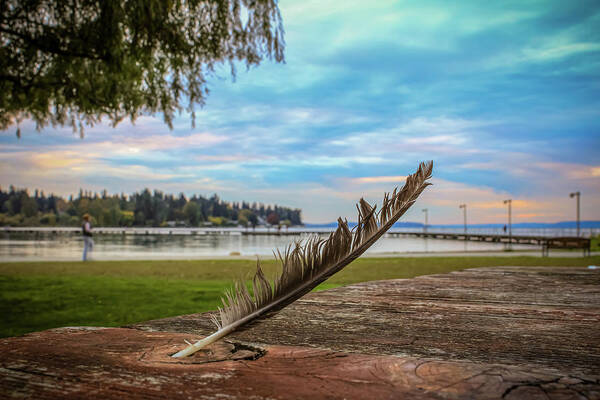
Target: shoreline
<point x="173" y="257"/>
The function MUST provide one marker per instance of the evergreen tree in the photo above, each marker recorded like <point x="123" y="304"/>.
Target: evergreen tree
<point x="140" y="209"/>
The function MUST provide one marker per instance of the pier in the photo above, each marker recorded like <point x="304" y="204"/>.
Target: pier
<point x="527" y="236"/>
<point x="543" y="238"/>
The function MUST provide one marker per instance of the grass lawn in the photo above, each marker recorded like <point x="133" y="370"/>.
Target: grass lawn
<point x="595" y="244"/>
<point x="41" y="295"/>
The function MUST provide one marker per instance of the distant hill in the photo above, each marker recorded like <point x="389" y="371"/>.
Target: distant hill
<point x="525" y="225"/>
<point x="532" y="225"/>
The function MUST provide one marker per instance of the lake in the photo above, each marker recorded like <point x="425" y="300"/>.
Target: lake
<point x="183" y="243"/>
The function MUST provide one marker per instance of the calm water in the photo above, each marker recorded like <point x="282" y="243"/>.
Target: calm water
<point x="68" y="246"/>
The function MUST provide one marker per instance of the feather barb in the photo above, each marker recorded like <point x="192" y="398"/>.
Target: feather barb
<point x="307" y="264"/>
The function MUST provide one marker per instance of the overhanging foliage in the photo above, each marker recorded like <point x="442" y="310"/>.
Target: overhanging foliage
<point x="73" y="62"/>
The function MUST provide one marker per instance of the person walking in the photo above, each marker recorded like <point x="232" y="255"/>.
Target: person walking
<point x="86" y="230"/>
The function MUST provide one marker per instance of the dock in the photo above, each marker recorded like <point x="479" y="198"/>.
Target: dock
<point x="546" y="242"/>
<point x="484" y="333"/>
<point x="296" y="231"/>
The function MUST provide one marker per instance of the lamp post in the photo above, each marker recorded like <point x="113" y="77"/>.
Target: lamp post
<point x="426" y="222"/>
<point x="464" y="207"/>
<point x="578" y="195"/>
<point x="509" y="202"/>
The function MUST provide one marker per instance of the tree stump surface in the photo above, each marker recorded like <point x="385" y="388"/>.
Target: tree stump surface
<point x="484" y="333"/>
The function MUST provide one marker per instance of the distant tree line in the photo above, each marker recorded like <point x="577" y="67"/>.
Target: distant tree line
<point x="19" y="208"/>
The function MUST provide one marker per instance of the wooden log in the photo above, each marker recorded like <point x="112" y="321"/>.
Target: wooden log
<point x="505" y="332"/>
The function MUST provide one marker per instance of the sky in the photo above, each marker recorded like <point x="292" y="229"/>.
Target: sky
<point x="504" y="97"/>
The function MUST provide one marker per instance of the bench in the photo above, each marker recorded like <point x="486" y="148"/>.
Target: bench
<point x="567" y="243"/>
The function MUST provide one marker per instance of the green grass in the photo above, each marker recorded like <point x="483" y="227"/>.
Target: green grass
<point x="41" y="295"/>
<point x="32" y="303"/>
<point x="595" y="243"/>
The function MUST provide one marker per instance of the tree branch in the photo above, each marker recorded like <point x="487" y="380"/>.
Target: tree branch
<point x="44" y="46"/>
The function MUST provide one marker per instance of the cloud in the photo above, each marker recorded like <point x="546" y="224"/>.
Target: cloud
<point x="57" y="160"/>
<point x="378" y="179"/>
<point x="417" y="139"/>
<point x="503" y="97"/>
<point x="163" y="142"/>
<point x="485" y="204"/>
<point x="555" y="52"/>
<point x="226" y="158"/>
<point x="572" y="171"/>
<point x="499" y="204"/>
<point x="436" y="139"/>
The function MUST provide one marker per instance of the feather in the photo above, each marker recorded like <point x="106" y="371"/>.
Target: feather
<point x="307" y="264"/>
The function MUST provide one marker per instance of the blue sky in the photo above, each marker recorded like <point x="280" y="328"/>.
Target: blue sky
<point x="503" y="96"/>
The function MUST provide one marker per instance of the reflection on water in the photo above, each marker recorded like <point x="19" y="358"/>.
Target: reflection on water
<point x="66" y="246"/>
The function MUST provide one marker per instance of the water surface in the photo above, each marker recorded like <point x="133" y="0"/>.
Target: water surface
<point x="45" y="245"/>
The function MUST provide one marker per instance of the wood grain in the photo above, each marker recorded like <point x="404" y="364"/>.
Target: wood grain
<point x="504" y="332"/>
